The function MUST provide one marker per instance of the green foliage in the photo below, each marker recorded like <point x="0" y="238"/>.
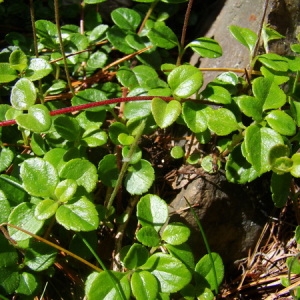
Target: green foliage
<point x="81" y="159"/>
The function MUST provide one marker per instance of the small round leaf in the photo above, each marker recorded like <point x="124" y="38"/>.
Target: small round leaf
<point x="23" y="94"/>
<point x="176" y="233"/>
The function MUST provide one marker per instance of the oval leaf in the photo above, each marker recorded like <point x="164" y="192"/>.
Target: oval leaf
<point x="281" y="122"/>
<point x="37" y="69"/>
<point x="185" y="80"/>
<point x="176" y="233"/>
<point x="152" y="211"/>
<point x="206" y="47"/>
<point x="144" y="285"/>
<point x="39" y="177"/>
<point x="165" y="113"/>
<point x="194" y="116"/>
<point x="23" y="94"/>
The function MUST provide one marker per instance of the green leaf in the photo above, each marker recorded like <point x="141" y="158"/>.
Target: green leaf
<point x="136" y="256"/>
<point x="108" y="170"/>
<point x="23" y="217"/>
<point x="139" y="178"/>
<point x="47" y="32"/>
<point x="125" y="139"/>
<point x="274" y="62"/>
<point x="185" y="80"/>
<point x="27" y="285"/>
<point x="177" y="152"/>
<point x="269" y="93"/>
<point x="148" y="236"/>
<point x="297" y="234"/>
<point x="134" y="158"/>
<point x="252" y="107"/>
<point x="144" y="285"/>
<point x="78" y="215"/>
<point x="23" y="94"/>
<point x="18" y="60"/>
<point x="204" y="269"/>
<point x="67" y="127"/>
<point x="183" y="252"/>
<point x="216" y="94"/>
<point x="295" y="170"/>
<point x="293" y="264"/>
<point x="281" y="122"/>
<point x="93" y="1"/>
<point x="39" y="256"/>
<point x="89" y="96"/>
<point x="65" y="190"/>
<point x="8" y="254"/>
<point x="176" y="233"/>
<point x="38" y="68"/>
<point x="39" y="177"/>
<point x="257" y="145"/>
<point x="7" y="73"/>
<point x="6" y="158"/>
<point x="280" y="188"/>
<point x="37" y="120"/>
<point x="152" y="211"/>
<point x="114" y="285"/>
<point x="162" y="36"/>
<point x="206" y="47"/>
<point x="116" y="37"/>
<point x="194" y="116"/>
<point x="222" y="121"/>
<point x="165" y="114"/>
<point x="279" y="160"/>
<point x="9" y="279"/>
<point x="171" y="273"/>
<point x="82" y="171"/>
<point x="245" y="36"/>
<point x="45" y="209"/>
<point x="126" y="18"/>
<point x="97" y="60"/>
<point x="98" y="33"/>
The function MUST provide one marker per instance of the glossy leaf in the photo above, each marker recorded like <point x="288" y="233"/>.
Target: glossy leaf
<point x="6" y="158"/>
<point x="194" y="116"/>
<point x="295" y="170"/>
<point x="89" y="96"/>
<point x="148" y="236"/>
<point x="269" y="93"/>
<point x="217" y="94"/>
<point x="176" y="233"/>
<point x="245" y="36"/>
<point x="39" y="256"/>
<point x="39" y="177"/>
<point x="206" y="47"/>
<point x="177" y="152"/>
<point x="18" y="60"/>
<point x="125" y="18"/>
<point x="163" y="36"/>
<point x="204" y="268"/>
<point x="139" y="177"/>
<point x="171" y="273"/>
<point x="37" y="119"/>
<point x="183" y="252"/>
<point x="185" y="80"/>
<point x="281" y="122"/>
<point x="45" y="209"/>
<point x="23" y="217"/>
<point x="258" y="142"/>
<point x="165" y="113"/>
<point x="78" y="215"/>
<point x="37" y="69"/>
<point x="67" y="127"/>
<point x="251" y="106"/>
<point x="152" y="211"/>
<point x="222" y="121"/>
<point x="274" y="61"/>
<point x="82" y="171"/>
<point x="108" y="170"/>
<point x="65" y="190"/>
<point x="114" y="285"/>
<point x="27" y="285"/>
<point x="144" y="285"/>
<point x="23" y="94"/>
<point x="116" y="37"/>
<point x="8" y="254"/>
<point x="136" y="256"/>
<point x="279" y="160"/>
<point x="7" y="73"/>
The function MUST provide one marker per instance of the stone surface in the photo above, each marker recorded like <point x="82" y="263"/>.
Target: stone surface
<point x="232" y="215"/>
<point x="282" y="15"/>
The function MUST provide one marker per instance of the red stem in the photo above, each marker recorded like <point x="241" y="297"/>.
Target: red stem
<point x="90" y="105"/>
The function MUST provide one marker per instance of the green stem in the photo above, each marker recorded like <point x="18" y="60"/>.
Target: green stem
<point x="205" y="243"/>
<point x="125" y="165"/>
<point x="148" y="14"/>
<point x="56" y="10"/>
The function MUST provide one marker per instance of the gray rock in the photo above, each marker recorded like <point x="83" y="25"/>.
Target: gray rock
<point x="231" y="215"/>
